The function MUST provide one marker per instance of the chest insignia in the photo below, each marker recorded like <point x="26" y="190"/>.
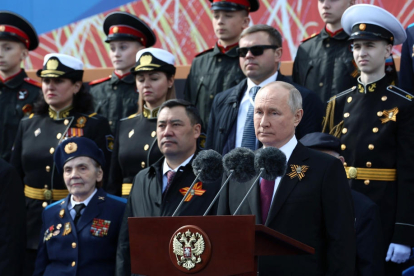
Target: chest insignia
<point x="130" y="133"/>
<point x="298" y="171"/>
<point x="100" y="227"/>
<point x="81" y="122"/>
<point x="74" y="132"/>
<point x="196" y="190"/>
<point x="37" y="132"/>
<point x="389" y="115"/>
<point x="68" y="229"/>
<point x="61" y="213"/>
<point x="27" y="109"/>
<point x="23" y="94"/>
<point x="48" y="233"/>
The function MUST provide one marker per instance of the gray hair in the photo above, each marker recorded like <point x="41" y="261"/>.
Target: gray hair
<point x="295" y="98"/>
<point x="275" y="38"/>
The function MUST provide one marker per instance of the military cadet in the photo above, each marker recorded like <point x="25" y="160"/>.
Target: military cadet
<point x="375" y="124"/>
<point x="17" y="91"/>
<point x="324" y="61"/>
<point x="406" y="74"/>
<point x="136" y="145"/>
<point x="62" y="112"/>
<point x="217" y="69"/>
<point x="80" y="232"/>
<point x="116" y="96"/>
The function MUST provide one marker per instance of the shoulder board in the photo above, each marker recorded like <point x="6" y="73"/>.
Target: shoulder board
<point x="33" y="82"/>
<point x="402" y="93"/>
<point x="130" y="117"/>
<point x="205" y="51"/>
<point x="117" y="198"/>
<point x="100" y="80"/>
<point x="342" y="93"/>
<point x="93" y="114"/>
<point x="31" y="115"/>
<point x="411" y="25"/>
<point x="312" y="36"/>
<point x="55" y="203"/>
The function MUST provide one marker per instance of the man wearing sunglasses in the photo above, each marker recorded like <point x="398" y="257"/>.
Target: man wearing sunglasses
<point x="217" y="68"/>
<point x="231" y="118"/>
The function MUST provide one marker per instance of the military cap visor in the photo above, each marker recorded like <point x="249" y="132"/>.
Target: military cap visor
<point x="322" y="141"/>
<point x="15" y="28"/>
<point x="235" y="5"/>
<point x="124" y="26"/>
<point x="154" y="59"/>
<point x="61" y="66"/>
<point x="369" y="22"/>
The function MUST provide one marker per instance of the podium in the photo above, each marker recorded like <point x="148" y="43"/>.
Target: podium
<point x="230" y="244"/>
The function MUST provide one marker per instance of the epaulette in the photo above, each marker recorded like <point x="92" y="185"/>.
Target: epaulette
<point x="411" y="25"/>
<point x="312" y="36"/>
<point x="54" y="203"/>
<point x="342" y="93"/>
<point x="92" y="114"/>
<point x="205" y="51"/>
<point x="31" y="115"/>
<point x="100" y="80"/>
<point x="33" y="82"/>
<point x="129" y="117"/>
<point x="402" y="93"/>
<point x="117" y="198"/>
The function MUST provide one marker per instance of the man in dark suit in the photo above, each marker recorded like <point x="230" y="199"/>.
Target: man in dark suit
<point x="231" y="122"/>
<point x="312" y="203"/>
<point x="158" y="190"/>
<point x="80" y="232"/>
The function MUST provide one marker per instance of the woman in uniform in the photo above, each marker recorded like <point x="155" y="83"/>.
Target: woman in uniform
<point x="136" y="142"/>
<point x="64" y="111"/>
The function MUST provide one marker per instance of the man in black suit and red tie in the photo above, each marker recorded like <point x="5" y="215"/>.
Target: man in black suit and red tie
<point x="311" y="203"/>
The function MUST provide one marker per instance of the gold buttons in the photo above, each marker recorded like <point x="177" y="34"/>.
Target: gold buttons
<point x="58" y="136"/>
<point x="211" y="96"/>
<point x="115" y="87"/>
<point x="370" y="146"/>
<point x="349" y="99"/>
<point x="344" y="130"/>
<point x="327" y="45"/>
<point x="321" y="84"/>
<point x="375" y="130"/>
<point x="52" y="150"/>
<point x="66" y="122"/>
<point x="369" y="164"/>
<point x="345" y="164"/>
<point x="153" y="134"/>
<point x="73" y="263"/>
<point x="110" y="123"/>
<point x="346" y="115"/>
<point x="73" y="244"/>
<point x="219" y="60"/>
<point x="45" y="186"/>
<point x="343" y="147"/>
<point x="146" y="147"/>
<point x="44" y="204"/>
<point x="366" y="182"/>
<point x="379" y="113"/>
<point x="383" y="98"/>
<point x="48" y="168"/>
<point x="143" y="164"/>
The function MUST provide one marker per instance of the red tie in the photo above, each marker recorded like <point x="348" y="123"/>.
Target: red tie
<point x="266" y="194"/>
<point x="170" y="177"/>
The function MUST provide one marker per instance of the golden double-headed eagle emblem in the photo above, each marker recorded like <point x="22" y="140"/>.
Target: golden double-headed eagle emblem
<point x="187" y="248"/>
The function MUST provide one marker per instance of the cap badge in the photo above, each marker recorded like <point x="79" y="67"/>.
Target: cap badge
<point x="2" y="28"/>
<point x="362" y="27"/>
<point x="52" y="64"/>
<point x="115" y="30"/>
<point x="298" y="171"/>
<point x="71" y="147"/>
<point x="145" y="60"/>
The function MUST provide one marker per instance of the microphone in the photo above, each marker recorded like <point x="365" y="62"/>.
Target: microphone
<point x="269" y="163"/>
<point x="207" y="167"/>
<point x="238" y="163"/>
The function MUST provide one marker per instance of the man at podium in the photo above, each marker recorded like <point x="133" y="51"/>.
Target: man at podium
<point x="311" y="203"/>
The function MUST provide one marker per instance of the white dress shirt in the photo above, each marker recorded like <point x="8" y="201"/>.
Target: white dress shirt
<point x="73" y="203"/>
<point x="167" y="168"/>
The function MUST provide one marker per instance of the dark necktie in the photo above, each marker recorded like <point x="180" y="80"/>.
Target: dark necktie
<point x="170" y="177"/>
<point x="266" y="194"/>
<point x="78" y="208"/>
<point x="249" y="137"/>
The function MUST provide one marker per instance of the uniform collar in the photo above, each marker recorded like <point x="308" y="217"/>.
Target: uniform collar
<point x="127" y="78"/>
<point x="86" y="201"/>
<point x="148" y="113"/>
<point x="372" y="86"/>
<point x="15" y="80"/>
<point x="339" y="35"/>
<point x="55" y="115"/>
<point x="225" y="49"/>
<point x="231" y="53"/>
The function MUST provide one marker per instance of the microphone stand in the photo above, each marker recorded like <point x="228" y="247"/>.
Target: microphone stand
<point x="189" y="190"/>
<point x="217" y="195"/>
<point x="251" y="188"/>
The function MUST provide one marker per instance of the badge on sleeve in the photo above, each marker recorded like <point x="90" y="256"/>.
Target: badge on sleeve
<point x="109" y="142"/>
<point x="100" y="227"/>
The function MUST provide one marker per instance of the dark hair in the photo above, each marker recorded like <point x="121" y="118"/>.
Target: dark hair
<point x="191" y="110"/>
<point x="275" y="38"/>
<point x="82" y="102"/>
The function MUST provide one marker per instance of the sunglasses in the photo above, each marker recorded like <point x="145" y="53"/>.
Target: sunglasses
<point x="255" y="50"/>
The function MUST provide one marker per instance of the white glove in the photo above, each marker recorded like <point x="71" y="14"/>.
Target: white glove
<point x="398" y="253"/>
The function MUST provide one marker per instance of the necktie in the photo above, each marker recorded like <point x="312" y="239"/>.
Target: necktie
<point x="266" y="194"/>
<point x="78" y="208"/>
<point x="170" y="177"/>
<point x="249" y="137"/>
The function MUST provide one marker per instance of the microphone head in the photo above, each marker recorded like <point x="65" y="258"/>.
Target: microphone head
<point x="241" y="160"/>
<point x="272" y="160"/>
<point x="209" y="162"/>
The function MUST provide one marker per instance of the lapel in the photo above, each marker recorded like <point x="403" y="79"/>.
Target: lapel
<point x="286" y="185"/>
<point x="92" y="210"/>
<point x="254" y="200"/>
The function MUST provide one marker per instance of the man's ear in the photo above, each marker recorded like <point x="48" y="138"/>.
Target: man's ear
<point x="197" y="130"/>
<point x="298" y="117"/>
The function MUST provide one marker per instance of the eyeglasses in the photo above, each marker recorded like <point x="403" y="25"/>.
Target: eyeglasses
<point x="256" y="50"/>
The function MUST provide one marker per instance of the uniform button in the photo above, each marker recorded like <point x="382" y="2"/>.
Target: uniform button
<point x="73" y="263"/>
<point x="343" y="147"/>
<point x="44" y="204"/>
<point x="219" y="60"/>
<point x="346" y="115"/>
<point x="48" y="168"/>
<point x="115" y="87"/>
<point x="143" y="164"/>
<point x="349" y="99"/>
<point x="344" y="130"/>
<point x="52" y="150"/>
<point x="110" y="122"/>
<point x="327" y="45"/>
<point x="375" y="130"/>
<point x="366" y="182"/>
<point x="153" y="134"/>
<point x="146" y="147"/>
<point x="321" y="84"/>
<point x="345" y="164"/>
<point x="211" y="96"/>
<point x="383" y="98"/>
<point x="370" y="146"/>
<point x="45" y="186"/>
<point x="66" y="122"/>
<point x="369" y="164"/>
<point x="73" y="244"/>
<point x="58" y="136"/>
<point x="379" y="113"/>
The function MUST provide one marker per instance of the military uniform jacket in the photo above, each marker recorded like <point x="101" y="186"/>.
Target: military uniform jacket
<point x="89" y="248"/>
<point x="115" y="98"/>
<point x="135" y="148"/>
<point x="16" y="94"/>
<point x="36" y="140"/>
<point x="147" y="200"/>
<point x="211" y="73"/>
<point x="325" y="65"/>
<point x="406" y="74"/>
<point x="376" y="128"/>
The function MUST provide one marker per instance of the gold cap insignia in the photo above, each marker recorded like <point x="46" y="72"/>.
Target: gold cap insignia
<point x="115" y="30"/>
<point x="52" y="64"/>
<point x="2" y="28"/>
<point x="362" y="27"/>
<point x="71" y="147"/>
<point x="145" y="60"/>
<point x="298" y="171"/>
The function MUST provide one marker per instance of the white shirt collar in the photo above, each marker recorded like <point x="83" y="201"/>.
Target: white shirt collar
<point x="167" y="168"/>
<point x="251" y="84"/>
<point x="288" y="148"/>
<point x="86" y="201"/>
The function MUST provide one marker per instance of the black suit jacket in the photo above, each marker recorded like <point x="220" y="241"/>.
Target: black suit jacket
<point x="221" y="133"/>
<point x="316" y="210"/>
